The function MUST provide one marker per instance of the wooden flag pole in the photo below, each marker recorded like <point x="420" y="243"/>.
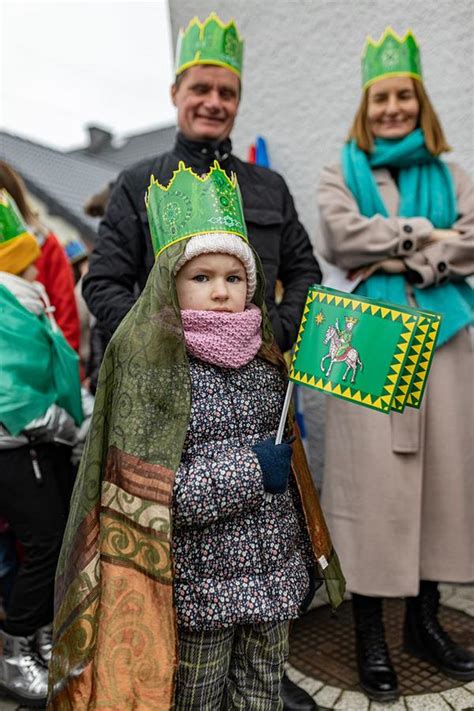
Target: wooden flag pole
<point x="281" y="426"/>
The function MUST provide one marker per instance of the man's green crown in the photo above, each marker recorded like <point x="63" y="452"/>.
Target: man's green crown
<point x="11" y="221"/>
<point x="190" y="205"/>
<point x="210" y="42"/>
<point x="390" y="56"/>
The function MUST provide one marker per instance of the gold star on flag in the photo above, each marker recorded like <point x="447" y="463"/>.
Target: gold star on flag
<point x="319" y="318"/>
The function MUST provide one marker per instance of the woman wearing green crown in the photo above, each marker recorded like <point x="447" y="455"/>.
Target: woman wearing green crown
<point x="398" y="490"/>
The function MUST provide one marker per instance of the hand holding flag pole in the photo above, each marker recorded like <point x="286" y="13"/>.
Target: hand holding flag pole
<point x="281" y="426"/>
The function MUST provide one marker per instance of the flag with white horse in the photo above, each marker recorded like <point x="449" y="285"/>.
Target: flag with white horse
<point x="370" y="352"/>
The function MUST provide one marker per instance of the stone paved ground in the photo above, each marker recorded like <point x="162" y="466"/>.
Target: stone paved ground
<point x="332" y="698"/>
<point x="460" y="698"/>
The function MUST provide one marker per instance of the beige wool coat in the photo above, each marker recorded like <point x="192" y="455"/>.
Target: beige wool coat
<point x="398" y="491"/>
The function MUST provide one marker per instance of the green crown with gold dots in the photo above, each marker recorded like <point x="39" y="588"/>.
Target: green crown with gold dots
<point x="210" y="42"/>
<point x="390" y="56"/>
<point x="190" y="205"/>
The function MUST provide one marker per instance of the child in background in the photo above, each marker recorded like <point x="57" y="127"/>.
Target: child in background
<point x="54" y="270"/>
<point x="194" y="573"/>
<point x="40" y="406"/>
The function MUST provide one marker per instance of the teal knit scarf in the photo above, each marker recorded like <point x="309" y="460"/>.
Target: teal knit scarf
<point x="426" y="190"/>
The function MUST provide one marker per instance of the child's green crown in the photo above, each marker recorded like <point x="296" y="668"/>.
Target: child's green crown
<point x="191" y="205"/>
<point x="390" y="56"/>
<point x="210" y="42"/>
<point x="11" y="221"/>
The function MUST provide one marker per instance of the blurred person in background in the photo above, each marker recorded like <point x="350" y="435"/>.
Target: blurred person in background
<point x="54" y="270"/>
<point x="8" y="564"/>
<point x="40" y="411"/>
<point x="398" y="489"/>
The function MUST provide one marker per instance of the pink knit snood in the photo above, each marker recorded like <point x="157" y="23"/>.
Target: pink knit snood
<point x="228" y="340"/>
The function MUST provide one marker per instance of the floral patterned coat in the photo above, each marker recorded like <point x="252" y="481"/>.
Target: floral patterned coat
<point x="239" y="559"/>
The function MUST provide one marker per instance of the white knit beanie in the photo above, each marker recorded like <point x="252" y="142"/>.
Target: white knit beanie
<point x="222" y="243"/>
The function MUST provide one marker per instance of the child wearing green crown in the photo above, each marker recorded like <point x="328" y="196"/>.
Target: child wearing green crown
<point x="191" y="534"/>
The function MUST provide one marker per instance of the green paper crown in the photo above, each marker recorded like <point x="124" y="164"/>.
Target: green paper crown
<point x="390" y="56"/>
<point x="191" y="205"/>
<point x="210" y="42"/>
<point x="11" y="221"/>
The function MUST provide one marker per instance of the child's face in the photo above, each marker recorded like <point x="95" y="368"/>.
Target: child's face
<point x="212" y="282"/>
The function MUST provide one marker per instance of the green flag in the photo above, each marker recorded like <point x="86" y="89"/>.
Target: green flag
<point x="412" y="381"/>
<point x="423" y="364"/>
<point x="367" y="351"/>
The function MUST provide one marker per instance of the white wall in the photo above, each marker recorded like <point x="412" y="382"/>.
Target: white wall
<point x="301" y="81"/>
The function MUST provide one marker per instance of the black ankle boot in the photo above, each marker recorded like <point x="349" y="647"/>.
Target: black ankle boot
<point x="377" y="676"/>
<point x="294" y="697"/>
<point x="425" y="638"/>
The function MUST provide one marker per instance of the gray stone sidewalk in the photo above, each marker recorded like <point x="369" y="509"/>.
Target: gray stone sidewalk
<point x="332" y="698"/>
<point x="457" y="699"/>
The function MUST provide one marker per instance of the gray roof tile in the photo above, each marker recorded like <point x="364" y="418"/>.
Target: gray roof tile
<point x="134" y="148"/>
<point x="63" y="180"/>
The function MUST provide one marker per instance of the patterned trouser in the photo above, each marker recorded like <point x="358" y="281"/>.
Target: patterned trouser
<point x="232" y="668"/>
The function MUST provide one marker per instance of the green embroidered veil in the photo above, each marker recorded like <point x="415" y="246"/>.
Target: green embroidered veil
<point x="115" y="635"/>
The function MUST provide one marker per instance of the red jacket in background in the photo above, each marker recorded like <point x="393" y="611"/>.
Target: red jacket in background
<point x="56" y="275"/>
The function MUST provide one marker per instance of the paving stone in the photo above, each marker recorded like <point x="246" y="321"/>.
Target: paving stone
<point x="322" y="646"/>
<point x="470" y="686"/>
<point x="458" y="698"/>
<point x="458" y="602"/>
<point x="447" y="591"/>
<point x="467" y="591"/>
<point x="352" y="700"/>
<point x="469" y="609"/>
<point x="328" y="696"/>
<point x="294" y="674"/>
<point x="427" y="702"/>
<point x="392" y="706"/>
<point x="311" y="685"/>
<point x="8" y="704"/>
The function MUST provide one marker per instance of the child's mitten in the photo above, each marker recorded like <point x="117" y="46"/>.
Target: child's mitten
<point x="275" y="461"/>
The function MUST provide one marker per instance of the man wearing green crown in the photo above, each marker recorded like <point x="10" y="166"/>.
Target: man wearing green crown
<point x="206" y="94"/>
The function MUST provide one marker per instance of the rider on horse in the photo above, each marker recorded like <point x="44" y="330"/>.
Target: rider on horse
<point x="345" y="337"/>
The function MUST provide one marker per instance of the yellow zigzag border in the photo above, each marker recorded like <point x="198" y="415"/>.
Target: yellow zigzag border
<point x="382" y="402"/>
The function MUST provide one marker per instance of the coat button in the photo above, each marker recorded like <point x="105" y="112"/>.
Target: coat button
<point x="442" y="266"/>
<point x="408" y="229"/>
<point x="407" y="245"/>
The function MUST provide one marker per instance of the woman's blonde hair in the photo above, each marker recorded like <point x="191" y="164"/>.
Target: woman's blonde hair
<point x="428" y="121"/>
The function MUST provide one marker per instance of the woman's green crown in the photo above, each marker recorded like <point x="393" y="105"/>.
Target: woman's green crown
<point x="391" y="55"/>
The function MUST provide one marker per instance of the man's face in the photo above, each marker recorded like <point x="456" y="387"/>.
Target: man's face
<point x="207" y="100"/>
